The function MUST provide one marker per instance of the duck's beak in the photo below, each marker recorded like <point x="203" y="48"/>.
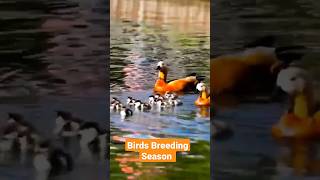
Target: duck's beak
<point x="158" y="68"/>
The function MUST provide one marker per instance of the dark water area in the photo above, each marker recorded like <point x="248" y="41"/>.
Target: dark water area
<point x="252" y="153"/>
<point x="52" y="47"/>
<point x="53" y="57"/>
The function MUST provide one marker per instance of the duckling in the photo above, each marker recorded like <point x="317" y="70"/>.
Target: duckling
<point x="130" y="101"/>
<point x="114" y="100"/>
<point x="302" y="119"/>
<point x="92" y="138"/>
<point x="204" y="98"/>
<point x="161" y="104"/>
<point x="174" y="101"/>
<point x="151" y="100"/>
<point x="157" y="96"/>
<point x="113" y="103"/>
<point x="119" y="106"/>
<point x="27" y="140"/>
<point x="62" y="118"/>
<point x="254" y="70"/>
<point x="180" y="85"/>
<point x="17" y="121"/>
<point x="49" y="161"/>
<point x="146" y="106"/>
<point x="71" y="127"/>
<point x="125" y="112"/>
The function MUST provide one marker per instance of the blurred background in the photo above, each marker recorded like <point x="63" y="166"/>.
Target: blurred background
<point x="252" y="153"/>
<point x="52" y="57"/>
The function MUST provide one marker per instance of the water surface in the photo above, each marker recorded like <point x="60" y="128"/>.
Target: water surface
<point x="52" y="57"/>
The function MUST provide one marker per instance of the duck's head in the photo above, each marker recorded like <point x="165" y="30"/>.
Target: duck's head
<point x="162" y="70"/>
<point x="293" y="80"/>
<point x="160" y="65"/>
<point x="201" y="86"/>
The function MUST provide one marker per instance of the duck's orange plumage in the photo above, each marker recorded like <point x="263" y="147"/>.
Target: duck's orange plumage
<point x="243" y="72"/>
<point x="292" y="126"/>
<point x="253" y="70"/>
<point x="302" y="120"/>
<point x="179" y="85"/>
<point x="203" y="99"/>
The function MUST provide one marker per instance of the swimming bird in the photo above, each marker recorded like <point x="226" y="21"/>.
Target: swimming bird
<point x="130" y="101"/>
<point x="254" y="70"/>
<point x="187" y="83"/>
<point x="151" y="100"/>
<point x="204" y="98"/>
<point x="113" y="103"/>
<point x="49" y="161"/>
<point x="63" y="117"/>
<point x="92" y="138"/>
<point x="125" y="112"/>
<point x="302" y="119"/>
<point x="71" y="127"/>
<point x="66" y="125"/>
<point x="17" y="120"/>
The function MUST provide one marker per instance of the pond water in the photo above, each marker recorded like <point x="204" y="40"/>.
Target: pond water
<point x="53" y="57"/>
<point x="144" y="32"/>
<point x="252" y="153"/>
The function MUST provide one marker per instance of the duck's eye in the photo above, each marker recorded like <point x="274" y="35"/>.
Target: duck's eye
<point x="293" y="79"/>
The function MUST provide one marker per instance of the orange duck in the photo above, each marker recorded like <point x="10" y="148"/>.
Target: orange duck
<point x="252" y="71"/>
<point x="302" y="119"/>
<point x="180" y="85"/>
<point x="204" y="98"/>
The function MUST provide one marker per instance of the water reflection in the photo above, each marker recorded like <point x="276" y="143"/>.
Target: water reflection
<point x="185" y="15"/>
<point x="50" y="51"/>
<point x="139" y="44"/>
<point x="46" y="46"/>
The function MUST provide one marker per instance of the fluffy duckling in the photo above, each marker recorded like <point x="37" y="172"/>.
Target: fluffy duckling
<point x="161" y="104"/>
<point x="254" y="70"/>
<point x="49" y="161"/>
<point x="125" y="112"/>
<point x="204" y="98"/>
<point x="28" y="139"/>
<point x="113" y="103"/>
<point x="172" y="99"/>
<point x="17" y="121"/>
<point x="71" y="128"/>
<point x="175" y="101"/>
<point x="66" y="125"/>
<point x="180" y="85"/>
<point x="63" y="117"/>
<point x="302" y="120"/>
<point x="92" y="138"/>
<point x="131" y="101"/>
<point x="141" y="106"/>
<point x="151" y="100"/>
